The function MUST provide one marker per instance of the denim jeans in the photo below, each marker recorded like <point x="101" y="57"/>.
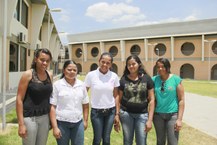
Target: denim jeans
<point x="37" y="130"/>
<point x="102" y="126"/>
<point x="133" y="122"/>
<point x="164" y="124"/>
<point x="71" y="131"/>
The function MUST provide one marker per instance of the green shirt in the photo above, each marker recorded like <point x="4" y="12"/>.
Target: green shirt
<point x="166" y="98"/>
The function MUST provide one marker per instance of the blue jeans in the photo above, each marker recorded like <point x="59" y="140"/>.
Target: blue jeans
<point x="133" y="122"/>
<point x="71" y="131"/>
<point x="37" y="130"/>
<point x="102" y="126"/>
<point x="164" y="124"/>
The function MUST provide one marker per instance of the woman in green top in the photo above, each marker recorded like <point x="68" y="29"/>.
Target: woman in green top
<point x="169" y="109"/>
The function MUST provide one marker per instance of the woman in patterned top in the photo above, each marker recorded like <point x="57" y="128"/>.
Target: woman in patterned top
<point x="136" y="102"/>
<point x="32" y="104"/>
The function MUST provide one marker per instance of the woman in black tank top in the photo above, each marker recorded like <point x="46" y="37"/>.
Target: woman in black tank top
<point x="32" y="103"/>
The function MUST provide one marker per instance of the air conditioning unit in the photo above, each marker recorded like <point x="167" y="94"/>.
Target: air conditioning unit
<point x="22" y="38"/>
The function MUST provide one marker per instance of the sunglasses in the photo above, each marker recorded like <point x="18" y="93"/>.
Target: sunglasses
<point x="162" y="87"/>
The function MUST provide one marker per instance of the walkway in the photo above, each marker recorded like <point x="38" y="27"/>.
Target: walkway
<point x="201" y="113"/>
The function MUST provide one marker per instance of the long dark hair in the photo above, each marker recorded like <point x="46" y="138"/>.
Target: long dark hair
<point x="68" y="62"/>
<point x="166" y="64"/>
<point x="37" y="53"/>
<point x="141" y="69"/>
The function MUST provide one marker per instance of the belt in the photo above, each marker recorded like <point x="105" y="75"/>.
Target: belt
<point x="104" y="110"/>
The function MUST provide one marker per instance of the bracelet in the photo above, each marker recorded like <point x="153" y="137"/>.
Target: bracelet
<point x="117" y="113"/>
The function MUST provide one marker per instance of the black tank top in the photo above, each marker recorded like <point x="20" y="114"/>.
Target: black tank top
<point x="36" y="101"/>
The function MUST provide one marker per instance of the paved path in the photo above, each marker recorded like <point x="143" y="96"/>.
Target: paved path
<point x="201" y="113"/>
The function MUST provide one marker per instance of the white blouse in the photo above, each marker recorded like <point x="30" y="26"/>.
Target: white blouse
<point x="102" y="86"/>
<point x="68" y="100"/>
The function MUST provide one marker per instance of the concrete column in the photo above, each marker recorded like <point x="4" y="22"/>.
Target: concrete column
<point x="102" y="46"/>
<point x="146" y="49"/>
<point x="85" y="51"/>
<point x="202" y="48"/>
<point x="122" y="45"/>
<point x="172" y="48"/>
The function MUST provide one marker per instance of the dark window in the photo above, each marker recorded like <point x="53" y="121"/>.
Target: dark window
<point x="22" y="58"/>
<point x="113" y="50"/>
<point x="160" y="49"/>
<point x="214" y="48"/>
<point x="79" y="68"/>
<point x="114" y="68"/>
<point x="17" y="12"/>
<point x="94" y="66"/>
<point x="13" y="57"/>
<point x="78" y="52"/>
<point x="24" y="16"/>
<point x="135" y="49"/>
<point x="187" y="48"/>
<point x="94" y="51"/>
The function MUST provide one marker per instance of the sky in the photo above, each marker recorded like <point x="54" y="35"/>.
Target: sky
<point x="80" y="16"/>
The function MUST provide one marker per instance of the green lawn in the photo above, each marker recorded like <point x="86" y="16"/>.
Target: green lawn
<point x="188" y="135"/>
<point x="204" y="88"/>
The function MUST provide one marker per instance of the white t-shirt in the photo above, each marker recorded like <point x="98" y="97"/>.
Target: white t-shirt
<point x="102" y="86"/>
<point x="68" y="100"/>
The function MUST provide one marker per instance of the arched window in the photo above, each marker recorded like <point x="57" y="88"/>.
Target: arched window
<point x="94" y="66"/>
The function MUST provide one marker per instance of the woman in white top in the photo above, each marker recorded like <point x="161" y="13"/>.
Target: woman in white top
<point x="69" y="107"/>
<point x="104" y="99"/>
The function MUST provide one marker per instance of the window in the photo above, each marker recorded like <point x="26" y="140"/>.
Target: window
<point x="21" y="13"/>
<point x="78" y="52"/>
<point x="187" y="48"/>
<point x="135" y="49"/>
<point x="22" y="58"/>
<point x="113" y="50"/>
<point x="24" y="17"/>
<point x="17" y="12"/>
<point x="114" y="68"/>
<point x="214" y="48"/>
<point x="94" y="51"/>
<point x="13" y="66"/>
<point x="160" y="49"/>
<point x="94" y="66"/>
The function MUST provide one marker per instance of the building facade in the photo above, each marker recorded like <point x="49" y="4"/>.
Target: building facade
<point x="25" y="25"/>
<point x="190" y="46"/>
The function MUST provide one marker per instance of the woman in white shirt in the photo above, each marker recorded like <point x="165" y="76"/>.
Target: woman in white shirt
<point x="69" y="107"/>
<point x="104" y="99"/>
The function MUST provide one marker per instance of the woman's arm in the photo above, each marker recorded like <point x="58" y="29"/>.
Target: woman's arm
<point x="117" y="95"/>
<point x="85" y="115"/>
<point x="181" y="96"/>
<point x="56" y="131"/>
<point x="151" y="106"/>
<point x="22" y="87"/>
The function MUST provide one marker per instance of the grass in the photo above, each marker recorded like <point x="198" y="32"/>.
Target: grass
<point x="204" y="88"/>
<point x="188" y="135"/>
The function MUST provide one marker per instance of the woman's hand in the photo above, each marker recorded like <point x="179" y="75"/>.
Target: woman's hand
<point x="148" y="126"/>
<point x="57" y="133"/>
<point x="117" y="123"/>
<point x="178" y="125"/>
<point x="22" y="131"/>
<point x="85" y="125"/>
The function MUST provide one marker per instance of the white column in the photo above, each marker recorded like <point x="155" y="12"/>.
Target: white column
<point x="172" y="48"/>
<point x="102" y="46"/>
<point x="122" y="45"/>
<point x="85" y="51"/>
<point x="146" y="49"/>
<point x="202" y="51"/>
